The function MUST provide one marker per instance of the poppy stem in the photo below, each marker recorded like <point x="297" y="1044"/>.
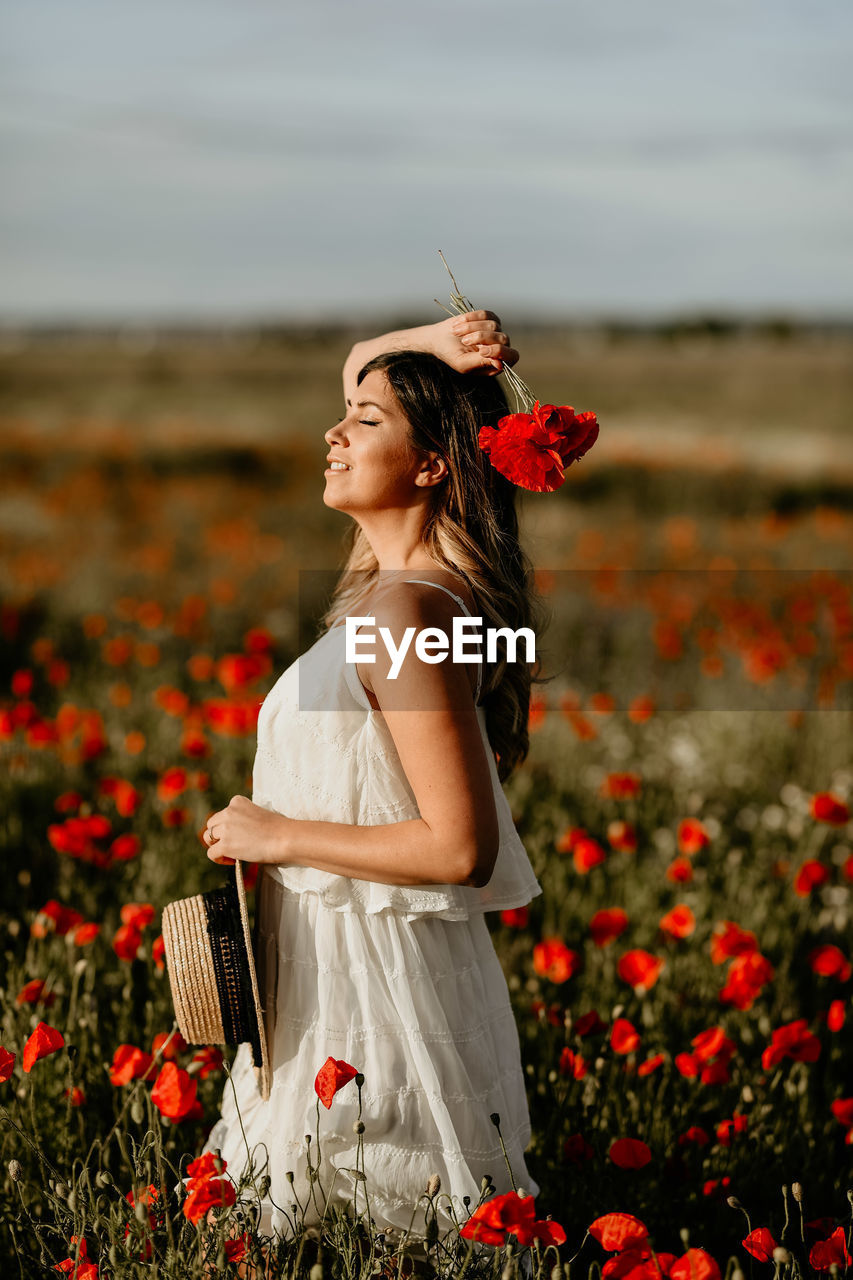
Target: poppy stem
<point x="496" y="1121"/>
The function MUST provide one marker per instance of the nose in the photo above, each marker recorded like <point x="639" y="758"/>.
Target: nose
<point x="333" y="435"/>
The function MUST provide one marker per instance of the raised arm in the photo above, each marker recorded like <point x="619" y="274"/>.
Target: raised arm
<point x="470" y="343"/>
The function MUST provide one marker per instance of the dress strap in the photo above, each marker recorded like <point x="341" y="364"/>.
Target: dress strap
<point x="425" y="582"/>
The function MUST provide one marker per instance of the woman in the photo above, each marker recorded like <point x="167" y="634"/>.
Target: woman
<point x="379" y="817"/>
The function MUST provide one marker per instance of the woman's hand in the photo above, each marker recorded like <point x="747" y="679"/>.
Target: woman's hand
<point x="473" y="343"/>
<point x="470" y="343"/>
<point x="247" y="832"/>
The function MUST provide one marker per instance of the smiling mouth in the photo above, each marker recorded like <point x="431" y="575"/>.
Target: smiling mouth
<point x="337" y="466"/>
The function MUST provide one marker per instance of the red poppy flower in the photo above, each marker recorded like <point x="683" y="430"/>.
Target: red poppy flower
<point x="206" y="1194"/>
<point x="534" y="449"/>
<point x="194" y="743"/>
<point x="607" y="924"/>
<point x="566" y="841"/>
<point x="637" y="1264"/>
<point x="208" y="1165"/>
<point x="233" y="718"/>
<point x="835" y="1015"/>
<point x="572" y="1064"/>
<point x="54" y="918"/>
<point x="726" y="1129"/>
<point x="511" y="1214"/>
<point x="716" y="1186"/>
<point x="793" y="1040"/>
<point x="651" y="1064"/>
<point x="158" y="952"/>
<point x="629" y="1153"/>
<point x="589" y="1023"/>
<point x="44" y="1040"/>
<point x="621" y="786"/>
<point x="679" y="871"/>
<point x="696" y="1264"/>
<point x="552" y="959"/>
<point x="624" y="1036"/>
<point x="712" y="1043"/>
<point x="639" y="968"/>
<point x="553" y="1013"/>
<point x="830" y="962"/>
<point x="331" y="1077"/>
<point x="173" y="701"/>
<point x="516" y="917"/>
<point x="691" y="836"/>
<point x="760" y="1244"/>
<point x="86" y="933"/>
<point x="746" y="976"/>
<point x="129" y="1063"/>
<point x="82" y="1269"/>
<point x="205" y="1061"/>
<point x="235" y="1250"/>
<point x="586" y="854"/>
<point x="127" y="942"/>
<point x="124" y="795"/>
<point x="7" y="1064"/>
<point x="172" y="784"/>
<point x="237" y="671"/>
<point x="34" y="993"/>
<point x="842" y="1109"/>
<point x="622" y="836"/>
<point x="826" y="807"/>
<point x="174" y="1092"/>
<point x="125" y="848"/>
<point x="137" y="914"/>
<point x="679" y="922"/>
<point x="172" y="1044"/>
<point x="811" y="875"/>
<point x="22" y="683"/>
<point x="76" y="1097"/>
<point x="617" y="1231"/>
<point x="695" y="1134"/>
<point x="716" y="1072"/>
<point x="149" y="1197"/>
<point x="832" y="1250"/>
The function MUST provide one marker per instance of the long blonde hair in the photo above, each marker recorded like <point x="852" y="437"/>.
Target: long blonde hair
<point x="471" y="530"/>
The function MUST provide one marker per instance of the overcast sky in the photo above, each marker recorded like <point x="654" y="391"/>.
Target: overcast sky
<point x="307" y="158"/>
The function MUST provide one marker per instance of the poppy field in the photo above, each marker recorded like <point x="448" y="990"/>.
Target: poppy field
<point x="683" y="984"/>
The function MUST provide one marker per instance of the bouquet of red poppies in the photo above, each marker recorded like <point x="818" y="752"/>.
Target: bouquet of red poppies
<point x="533" y="446"/>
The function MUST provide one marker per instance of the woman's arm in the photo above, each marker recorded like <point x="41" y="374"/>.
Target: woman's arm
<point x="469" y="343"/>
<point x="433" y="721"/>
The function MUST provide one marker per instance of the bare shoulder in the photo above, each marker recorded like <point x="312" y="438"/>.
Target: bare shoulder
<point x="404" y="609"/>
<point x="417" y="589"/>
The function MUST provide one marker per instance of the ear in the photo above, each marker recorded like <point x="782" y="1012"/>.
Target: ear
<point x="433" y="470"/>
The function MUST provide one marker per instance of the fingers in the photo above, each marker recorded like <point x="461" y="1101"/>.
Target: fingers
<point x="475" y="316"/>
<point x="506" y="354"/>
<point x="484" y="334"/>
<point x="220" y="859"/>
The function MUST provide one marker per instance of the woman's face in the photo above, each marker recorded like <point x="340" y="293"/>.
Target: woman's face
<point x="373" y="440"/>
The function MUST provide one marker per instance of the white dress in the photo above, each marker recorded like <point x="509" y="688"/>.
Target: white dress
<point x="401" y="982"/>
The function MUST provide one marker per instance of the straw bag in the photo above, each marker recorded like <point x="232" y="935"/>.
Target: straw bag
<point x="211" y="967"/>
